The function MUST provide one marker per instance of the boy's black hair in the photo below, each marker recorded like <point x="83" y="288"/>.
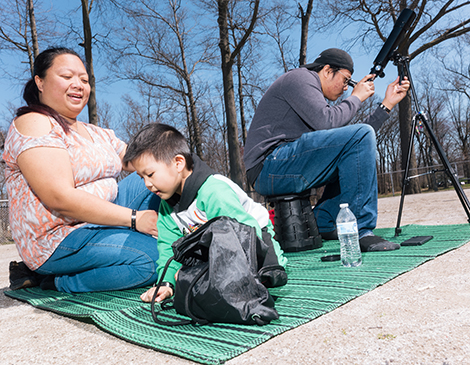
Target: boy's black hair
<point x="162" y="141"/>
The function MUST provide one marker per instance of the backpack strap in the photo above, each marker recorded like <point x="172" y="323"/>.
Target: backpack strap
<point x="165" y="304"/>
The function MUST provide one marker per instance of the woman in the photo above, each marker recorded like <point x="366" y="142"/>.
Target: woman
<point x="61" y="175"/>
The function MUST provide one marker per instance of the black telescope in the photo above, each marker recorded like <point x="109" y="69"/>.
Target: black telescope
<point x="402" y="25"/>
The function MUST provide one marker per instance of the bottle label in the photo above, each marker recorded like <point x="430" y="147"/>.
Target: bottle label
<point x="347" y="228"/>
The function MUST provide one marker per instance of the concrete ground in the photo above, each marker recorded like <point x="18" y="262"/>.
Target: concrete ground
<point x="420" y="317"/>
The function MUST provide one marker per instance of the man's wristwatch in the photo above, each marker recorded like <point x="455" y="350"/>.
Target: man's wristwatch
<point x="381" y="106"/>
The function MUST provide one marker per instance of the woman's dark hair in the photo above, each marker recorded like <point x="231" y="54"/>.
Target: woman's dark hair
<point x="162" y="141"/>
<point x="42" y="63"/>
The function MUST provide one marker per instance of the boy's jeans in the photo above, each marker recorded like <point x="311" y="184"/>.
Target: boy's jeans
<point x="343" y="159"/>
<point x="98" y="258"/>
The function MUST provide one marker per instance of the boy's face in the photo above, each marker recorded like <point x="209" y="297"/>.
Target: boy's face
<point x="161" y="178"/>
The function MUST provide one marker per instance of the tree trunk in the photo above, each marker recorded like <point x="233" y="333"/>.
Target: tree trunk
<point x="196" y="129"/>
<point x="34" y="33"/>
<point x="405" y="133"/>
<point x="241" y="103"/>
<point x="236" y="173"/>
<point x="305" y="18"/>
<point x="34" y="37"/>
<point x="92" y="113"/>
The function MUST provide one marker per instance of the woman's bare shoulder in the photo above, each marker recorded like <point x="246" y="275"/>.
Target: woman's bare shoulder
<point x="33" y="124"/>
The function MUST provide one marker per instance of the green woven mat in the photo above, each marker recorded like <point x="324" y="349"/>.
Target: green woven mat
<point x="314" y="288"/>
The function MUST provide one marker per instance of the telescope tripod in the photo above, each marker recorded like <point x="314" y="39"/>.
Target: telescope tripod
<point x="421" y="119"/>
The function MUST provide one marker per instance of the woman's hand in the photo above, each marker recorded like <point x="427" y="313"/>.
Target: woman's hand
<point x="146" y="222"/>
<point x="163" y="293"/>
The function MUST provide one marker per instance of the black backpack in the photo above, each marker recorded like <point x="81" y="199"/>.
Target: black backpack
<point x="225" y="271"/>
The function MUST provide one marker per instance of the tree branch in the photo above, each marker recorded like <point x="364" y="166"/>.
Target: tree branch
<point x="242" y="42"/>
<point x="448" y="34"/>
<point x="5" y="37"/>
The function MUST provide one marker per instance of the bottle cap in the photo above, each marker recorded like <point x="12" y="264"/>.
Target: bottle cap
<point x="344" y="205"/>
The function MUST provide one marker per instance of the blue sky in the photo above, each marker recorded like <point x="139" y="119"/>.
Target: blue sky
<point x="11" y="88"/>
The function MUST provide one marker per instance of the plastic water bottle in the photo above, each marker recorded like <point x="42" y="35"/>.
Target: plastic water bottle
<point x="346" y="226"/>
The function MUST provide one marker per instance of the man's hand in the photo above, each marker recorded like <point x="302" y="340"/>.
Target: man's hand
<point x="163" y="293"/>
<point x="364" y="88"/>
<point x="396" y="92"/>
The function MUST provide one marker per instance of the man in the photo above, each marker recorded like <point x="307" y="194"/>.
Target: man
<point x="298" y="141"/>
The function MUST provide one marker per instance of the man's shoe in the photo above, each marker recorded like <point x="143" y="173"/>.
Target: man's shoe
<point x="21" y="276"/>
<point x="329" y="236"/>
<point x="375" y="243"/>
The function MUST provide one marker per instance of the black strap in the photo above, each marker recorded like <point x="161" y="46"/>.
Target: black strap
<point x="164" y="304"/>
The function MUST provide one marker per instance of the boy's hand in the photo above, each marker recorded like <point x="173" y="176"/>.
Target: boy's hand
<point x="163" y="293"/>
<point x="146" y="222"/>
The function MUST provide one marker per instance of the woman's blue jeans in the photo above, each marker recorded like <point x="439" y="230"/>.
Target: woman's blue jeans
<point x="342" y="159"/>
<point x="98" y="258"/>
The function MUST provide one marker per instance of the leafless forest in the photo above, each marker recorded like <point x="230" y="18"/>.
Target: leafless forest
<point x="203" y="65"/>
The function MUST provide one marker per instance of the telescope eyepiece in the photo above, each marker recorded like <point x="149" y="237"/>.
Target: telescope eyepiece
<point x="352" y="83"/>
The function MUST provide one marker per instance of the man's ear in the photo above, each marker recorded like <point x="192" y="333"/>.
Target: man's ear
<point x="180" y="162"/>
<point x="327" y="70"/>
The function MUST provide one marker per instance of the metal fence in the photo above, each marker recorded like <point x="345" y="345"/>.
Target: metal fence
<point x="428" y="177"/>
<point x="5" y="233"/>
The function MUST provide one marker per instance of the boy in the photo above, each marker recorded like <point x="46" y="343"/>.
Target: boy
<point x="191" y="195"/>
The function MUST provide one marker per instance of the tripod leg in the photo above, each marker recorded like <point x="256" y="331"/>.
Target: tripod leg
<point x="404" y="62"/>
<point x="405" y="177"/>
<point x="458" y="188"/>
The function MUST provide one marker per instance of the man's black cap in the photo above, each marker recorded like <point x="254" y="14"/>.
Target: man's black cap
<point x="333" y="57"/>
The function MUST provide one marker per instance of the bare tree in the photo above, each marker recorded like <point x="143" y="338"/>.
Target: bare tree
<point x="34" y="32"/>
<point x="459" y="113"/>
<point x="87" y="43"/>
<point x="277" y="24"/>
<point x="105" y="115"/>
<point x="228" y="58"/>
<point x="18" y="29"/>
<point x="135" y="115"/>
<point x="304" y="16"/>
<point x="457" y="69"/>
<point x="244" y="61"/>
<point x="159" y="49"/>
<point x="216" y="152"/>
<point x="435" y="23"/>
<point x="432" y="102"/>
<point x="388" y="151"/>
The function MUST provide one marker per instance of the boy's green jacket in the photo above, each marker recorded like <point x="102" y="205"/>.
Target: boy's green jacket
<point x="206" y="195"/>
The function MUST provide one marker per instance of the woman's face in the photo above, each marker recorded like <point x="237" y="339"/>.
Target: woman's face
<point x="65" y="87"/>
